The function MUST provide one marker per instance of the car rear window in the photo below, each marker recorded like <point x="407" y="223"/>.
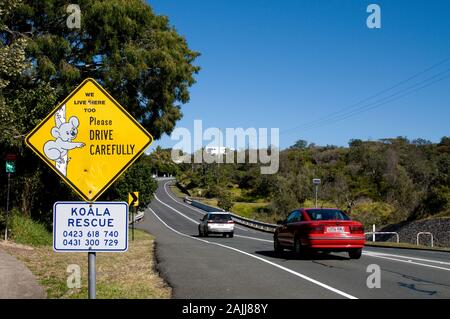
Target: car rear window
<point x="219" y="217"/>
<point x="327" y="214"/>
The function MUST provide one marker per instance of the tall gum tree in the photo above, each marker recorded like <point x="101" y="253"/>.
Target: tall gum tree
<point x="135" y="54"/>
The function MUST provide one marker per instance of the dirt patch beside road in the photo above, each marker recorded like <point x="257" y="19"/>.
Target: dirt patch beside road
<point x="119" y="275"/>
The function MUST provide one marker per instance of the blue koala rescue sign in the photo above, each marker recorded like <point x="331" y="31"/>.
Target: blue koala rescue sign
<point x="96" y="227"/>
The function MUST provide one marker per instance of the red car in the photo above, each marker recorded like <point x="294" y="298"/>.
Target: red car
<point x="320" y="229"/>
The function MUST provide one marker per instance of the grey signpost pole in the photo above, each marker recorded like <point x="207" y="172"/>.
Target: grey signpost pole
<point x="133" y="201"/>
<point x="317" y="186"/>
<point x="91" y="275"/>
<point x="316" y="182"/>
<point x="132" y="223"/>
<point x="7" y="208"/>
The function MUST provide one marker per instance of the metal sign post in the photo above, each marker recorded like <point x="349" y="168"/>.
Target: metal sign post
<point x="316" y="181"/>
<point x="7" y="208"/>
<point x="92" y="287"/>
<point x="133" y="200"/>
<point x="132" y="224"/>
<point x="317" y="186"/>
<point x="10" y="167"/>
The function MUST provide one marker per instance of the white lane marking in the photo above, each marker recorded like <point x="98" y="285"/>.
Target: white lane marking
<point x="265" y="240"/>
<point x="197" y="210"/>
<point x="408" y="257"/>
<point x="261" y="259"/>
<point x="176" y="211"/>
<point x="405" y="261"/>
<point x="195" y="222"/>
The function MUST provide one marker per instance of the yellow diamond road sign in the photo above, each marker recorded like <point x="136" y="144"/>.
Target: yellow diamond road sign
<point x="89" y="140"/>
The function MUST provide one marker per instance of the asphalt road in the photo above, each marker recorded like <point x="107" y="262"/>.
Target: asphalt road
<point x="246" y="267"/>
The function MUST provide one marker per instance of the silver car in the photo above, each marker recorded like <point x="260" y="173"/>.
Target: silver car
<point x="216" y="223"/>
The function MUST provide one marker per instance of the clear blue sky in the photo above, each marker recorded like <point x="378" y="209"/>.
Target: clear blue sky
<point x="268" y="63"/>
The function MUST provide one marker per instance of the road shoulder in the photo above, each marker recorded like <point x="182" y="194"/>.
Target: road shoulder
<point x="17" y="281"/>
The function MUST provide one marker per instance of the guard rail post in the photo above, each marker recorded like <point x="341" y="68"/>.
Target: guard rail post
<point x="425" y="233"/>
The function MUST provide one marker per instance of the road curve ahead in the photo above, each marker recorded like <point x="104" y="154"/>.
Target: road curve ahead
<point x="246" y="267"/>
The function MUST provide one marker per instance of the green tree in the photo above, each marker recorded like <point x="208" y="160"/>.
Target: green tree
<point x="225" y="200"/>
<point x="283" y="199"/>
<point x="162" y="163"/>
<point x="302" y="144"/>
<point x="12" y="46"/>
<point x="136" y="179"/>
<point x="136" y="55"/>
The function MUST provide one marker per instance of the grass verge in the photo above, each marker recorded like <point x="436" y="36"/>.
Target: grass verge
<point x="28" y="232"/>
<point x="119" y="275"/>
<point x="177" y="191"/>
<point x="248" y="210"/>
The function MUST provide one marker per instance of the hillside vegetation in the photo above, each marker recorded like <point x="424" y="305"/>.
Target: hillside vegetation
<point x="378" y="182"/>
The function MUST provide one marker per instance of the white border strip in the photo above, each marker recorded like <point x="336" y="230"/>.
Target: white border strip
<point x="404" y="261"/>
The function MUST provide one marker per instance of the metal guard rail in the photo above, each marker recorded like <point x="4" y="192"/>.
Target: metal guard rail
<point x="270" y="228"/>
<point x="137" y="218"/>
<point x="383" y="233"/>
<point x="425" y="233"/>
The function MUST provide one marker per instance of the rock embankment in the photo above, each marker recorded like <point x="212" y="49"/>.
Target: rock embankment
<point x="439" y="227"/>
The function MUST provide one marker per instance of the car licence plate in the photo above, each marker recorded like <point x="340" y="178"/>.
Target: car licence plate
<point x="335" y="229"/>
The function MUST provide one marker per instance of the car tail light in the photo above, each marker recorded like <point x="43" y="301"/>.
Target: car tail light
<point x="357" y="229"/>
<point x="230" y="222"/>
<point x="317" y="229"/>
<point x="210" y="221"/>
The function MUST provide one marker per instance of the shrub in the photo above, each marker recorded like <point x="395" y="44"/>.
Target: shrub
<point x="213" y="191"/>
<point x="225" y="200"/>
<point x="25" y="231"/>
<point x="370" y="213"/>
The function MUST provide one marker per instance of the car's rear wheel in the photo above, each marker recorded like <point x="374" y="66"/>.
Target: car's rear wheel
<point x="230" y="235"/>
<point x="277" y="247"/>
<point x="297" y="246"/>
<point x="355" y="253"/>
<point x="224" y="235"/>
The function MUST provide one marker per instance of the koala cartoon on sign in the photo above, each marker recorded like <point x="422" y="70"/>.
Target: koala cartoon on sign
<point x="64" y="134"/>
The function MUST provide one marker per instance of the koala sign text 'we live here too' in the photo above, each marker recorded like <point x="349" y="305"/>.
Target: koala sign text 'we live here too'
<point x="89" y="140"/>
